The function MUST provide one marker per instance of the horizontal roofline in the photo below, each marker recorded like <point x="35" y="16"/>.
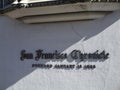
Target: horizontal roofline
<point x="51" y="3"/>
<point x="65" y="12"/>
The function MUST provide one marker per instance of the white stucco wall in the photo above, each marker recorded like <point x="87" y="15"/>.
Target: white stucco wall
<point x="102" y="34"/>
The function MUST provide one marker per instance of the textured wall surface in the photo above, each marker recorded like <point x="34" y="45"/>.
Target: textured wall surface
<point x="102" y="34"/>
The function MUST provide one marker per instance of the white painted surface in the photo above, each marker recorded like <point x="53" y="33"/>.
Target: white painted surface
<point x="102" y="34"/>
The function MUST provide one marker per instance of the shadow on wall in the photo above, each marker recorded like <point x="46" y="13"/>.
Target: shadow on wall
<point x="15" y="36"/>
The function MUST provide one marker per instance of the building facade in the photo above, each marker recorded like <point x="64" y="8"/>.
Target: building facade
<point x="57" y="45"/>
